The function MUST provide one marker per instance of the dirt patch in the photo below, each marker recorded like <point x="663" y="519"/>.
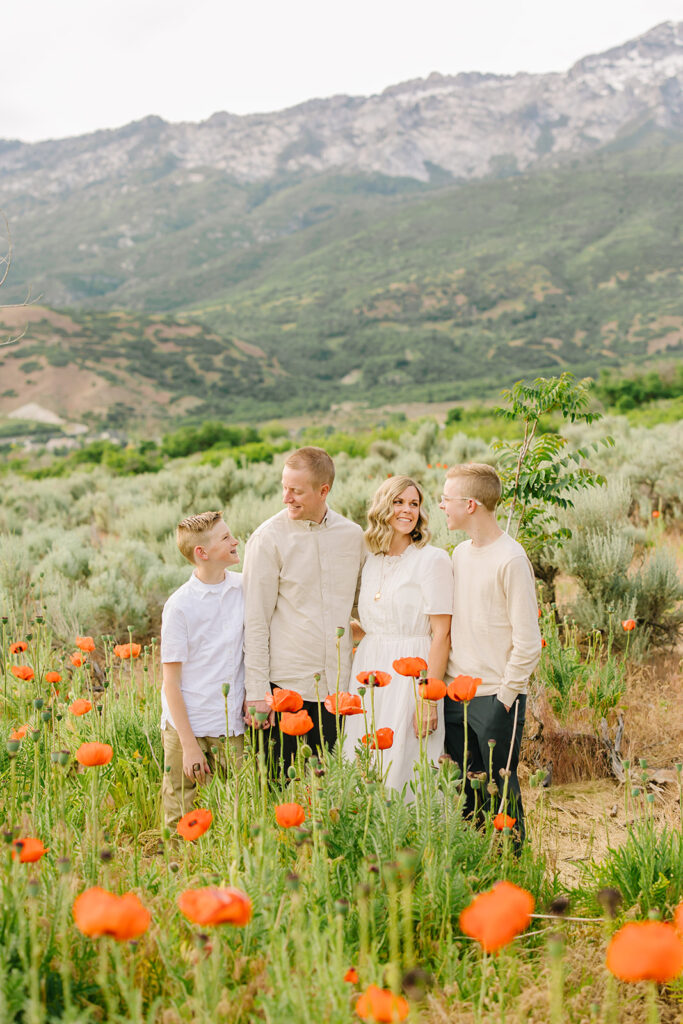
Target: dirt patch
<point x="249" y="349"/>
<point x="19" y="317"/>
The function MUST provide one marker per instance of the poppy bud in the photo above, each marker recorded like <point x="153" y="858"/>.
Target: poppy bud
<point x="46" y="715"/>
<point x="292" y="881"/>
<point x="626" y="763"/>
<point x="341" y="907"/>
<point x="225" y="689"/>
<point x="33" y="886"/>
<point x="559" y="906"/>
<point x="174" y="866"/>
<point x="643" y="763"/>
<point x="64" y="865"/>
<point x="610" y="899"/>
<point x="505" y="773"/>
<point x="54" y="756"/>
<point x="13" y="747"/>
<point x="38" y="703"/>
<point x="291" y="772"/>
<point x="63" y="757"/>
<point x="8" y="836"/>
<point x="362" y="691"/>
<point x="306" y="750"/>
<point x="492" y="789"/>
<point x="340" y="632"/>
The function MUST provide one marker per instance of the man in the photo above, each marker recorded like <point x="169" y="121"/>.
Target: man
<point x="301" y="570"/>
<point x="494" y="633"/>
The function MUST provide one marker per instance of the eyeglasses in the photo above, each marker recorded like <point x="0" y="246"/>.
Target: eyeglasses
<point x="446" y="497"/>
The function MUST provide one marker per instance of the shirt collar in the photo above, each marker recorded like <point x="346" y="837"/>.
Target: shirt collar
<point x="203" y="589"/>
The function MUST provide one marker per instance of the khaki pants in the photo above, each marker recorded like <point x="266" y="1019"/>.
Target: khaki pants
<point x="177" y="791"/>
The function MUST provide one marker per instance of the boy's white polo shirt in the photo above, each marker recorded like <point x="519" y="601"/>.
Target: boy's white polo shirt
<point x="202" y="626"/>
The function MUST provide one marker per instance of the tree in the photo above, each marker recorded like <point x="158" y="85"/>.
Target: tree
<point x="540" y="472"/>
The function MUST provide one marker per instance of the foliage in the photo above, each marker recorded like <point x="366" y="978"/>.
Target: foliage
<point x="538" y="473"/>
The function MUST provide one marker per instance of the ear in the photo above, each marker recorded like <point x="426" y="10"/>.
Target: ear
<point x="324" y="490"/>
<point x="200" y="553"/>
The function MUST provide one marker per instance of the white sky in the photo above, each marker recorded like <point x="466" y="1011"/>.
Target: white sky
<point x="74" y="66"/>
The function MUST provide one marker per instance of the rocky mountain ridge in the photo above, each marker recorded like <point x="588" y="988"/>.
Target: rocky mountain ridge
<point x="442" y="127"/>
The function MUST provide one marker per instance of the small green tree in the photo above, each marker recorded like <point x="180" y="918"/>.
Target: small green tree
<point x="540" y="472"/>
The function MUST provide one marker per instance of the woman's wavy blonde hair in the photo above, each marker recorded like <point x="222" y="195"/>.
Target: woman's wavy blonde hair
<point x="379" y="533"/>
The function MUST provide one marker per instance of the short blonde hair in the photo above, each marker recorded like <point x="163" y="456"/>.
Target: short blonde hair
<point x="483" y="483"/>
<point x="193" y="531"/>
<point x="379" y="533"/>
<point x="316" y="460"/>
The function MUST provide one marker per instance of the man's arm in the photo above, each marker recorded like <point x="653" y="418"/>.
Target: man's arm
<point x="522" y="607"/>
<point x="261" y="575"/>
<point x="192" y="752"/>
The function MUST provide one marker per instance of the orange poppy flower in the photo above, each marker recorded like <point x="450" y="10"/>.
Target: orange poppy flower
<point x="678" y="919"/>
<point x="645" y="951"/>
<point x="285" y="700"/>
<point x="296" y="724"/>
<point x="410" y="666"/>
<point x="289" y="815"/>
<point x="85" y="643"/>
<point x="216" y="906"/>
<point x="125" y="651"/>
<point x="19" y="647"/>
<point x="92" y="754"/>
<point x="29" y="850"/>
<point x="463" y="688"/>
<point x="76" y="659"/>
<point x="20" y="733"/>
<point x="381" y="1004"/>
<point x="382" y="740"/>
<point x="98" y="912"/>
<point x="432" y="689"/>
<point x="628" y="624"/>
<point x="544" y="642"/>
<point x="656" y="513"/>
<point x="80" y="707"/>
<point x="351" y="976"/>
<point x="502" y="821"/>
<point x="194" y="824"/>
<point x="348" y="704"/>
<point x="53" y="677"/>
<point x="496" y="916"/>
<point x="24" y="672"/>
<point x="373" y="678"/>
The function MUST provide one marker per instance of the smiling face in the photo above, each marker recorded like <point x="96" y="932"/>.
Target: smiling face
<point x="303" y="498"/>
<point x="219" y="547"/>
<point x="456" y="504"/>
<point x="406" y="511"/>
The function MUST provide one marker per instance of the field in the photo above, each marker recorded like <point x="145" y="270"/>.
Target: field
<point x="366" y="890"/>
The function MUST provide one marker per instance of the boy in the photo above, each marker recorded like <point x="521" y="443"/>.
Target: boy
<point x="202" y="633"/>
<point x="494" y="632"/>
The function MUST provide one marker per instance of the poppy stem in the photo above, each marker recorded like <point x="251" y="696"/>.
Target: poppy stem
<point x="652" y="1011"/>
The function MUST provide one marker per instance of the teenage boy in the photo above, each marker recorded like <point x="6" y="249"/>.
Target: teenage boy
<point x="202" y="634"/>
<point x="301" y="570"/>
<point x="494" y="633"/>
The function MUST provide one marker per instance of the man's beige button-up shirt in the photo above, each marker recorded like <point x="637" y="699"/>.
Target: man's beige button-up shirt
<point x="300" y="582"/>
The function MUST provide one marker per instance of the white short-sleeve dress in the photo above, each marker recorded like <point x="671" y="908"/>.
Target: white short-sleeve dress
<point x="397" y="596"/>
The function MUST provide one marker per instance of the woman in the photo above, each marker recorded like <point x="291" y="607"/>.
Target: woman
<point x="405" y="604"/>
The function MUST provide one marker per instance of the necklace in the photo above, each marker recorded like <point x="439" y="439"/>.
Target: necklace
<point x="395" y="559"/>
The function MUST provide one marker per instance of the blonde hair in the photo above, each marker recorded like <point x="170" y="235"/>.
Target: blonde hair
<point x="483" y="483"/>
<point x="193" y="531"/>
<point x="316" y="460"/>
<point x="379" y="532"/>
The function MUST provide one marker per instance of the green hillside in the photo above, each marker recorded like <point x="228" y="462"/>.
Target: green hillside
<point x="303" y="294"/>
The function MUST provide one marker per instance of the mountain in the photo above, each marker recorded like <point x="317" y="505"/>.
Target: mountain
<point x="447" y="235"/>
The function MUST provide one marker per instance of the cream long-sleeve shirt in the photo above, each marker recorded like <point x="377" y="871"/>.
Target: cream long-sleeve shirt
<point x="300" y="582"/>
<point x="494" y="629"/>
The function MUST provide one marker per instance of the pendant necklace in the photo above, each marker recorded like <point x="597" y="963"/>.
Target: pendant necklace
<point x="393" y="564"/>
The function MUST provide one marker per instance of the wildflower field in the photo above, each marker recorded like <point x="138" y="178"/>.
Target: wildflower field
<point x="324" y="896"/>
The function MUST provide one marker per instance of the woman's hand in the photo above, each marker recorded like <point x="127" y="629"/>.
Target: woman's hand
<point x="357" y="632"/>
<point x="430" y="720"/>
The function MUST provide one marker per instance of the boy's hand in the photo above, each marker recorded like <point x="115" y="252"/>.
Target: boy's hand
<point x="194" y="764"/>
<point x="430" y="721"/>
<point x="258" y="705"/>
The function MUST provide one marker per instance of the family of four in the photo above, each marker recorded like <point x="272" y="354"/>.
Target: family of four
<point x="306" y="570"/>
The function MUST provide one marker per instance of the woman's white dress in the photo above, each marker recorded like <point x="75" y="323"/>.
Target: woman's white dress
<point x="411" y="587"/>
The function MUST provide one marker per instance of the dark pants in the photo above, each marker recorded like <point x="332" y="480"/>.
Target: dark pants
<point x="282" y="747"/>
<point x="487" y="720"/>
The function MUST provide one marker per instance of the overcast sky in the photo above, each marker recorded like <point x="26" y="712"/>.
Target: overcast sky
<point x="74" y="66"/>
